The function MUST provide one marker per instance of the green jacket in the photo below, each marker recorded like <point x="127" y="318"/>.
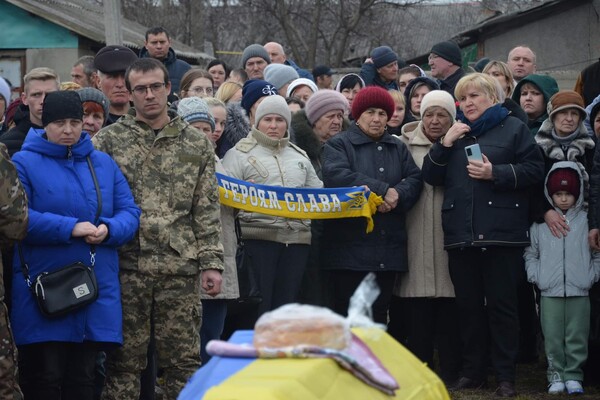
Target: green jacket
<point x="547" y="85"/>
<point x="13" y="207"/>
<point x="172" y="177"/>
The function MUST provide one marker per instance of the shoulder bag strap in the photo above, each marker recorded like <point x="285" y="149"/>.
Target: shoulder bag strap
<point x="98" y="209"/>
<point x="25" y="267"/>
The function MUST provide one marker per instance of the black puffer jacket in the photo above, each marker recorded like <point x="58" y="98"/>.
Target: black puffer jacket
<point x="351" y="158"/>
<point x="14" y="137"/>
<point x="482" y="213"/>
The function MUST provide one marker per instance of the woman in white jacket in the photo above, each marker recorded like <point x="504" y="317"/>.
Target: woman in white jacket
<point x="276" y="247"/>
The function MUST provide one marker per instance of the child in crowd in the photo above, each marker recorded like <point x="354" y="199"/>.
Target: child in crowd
<point x="564" y="270"/>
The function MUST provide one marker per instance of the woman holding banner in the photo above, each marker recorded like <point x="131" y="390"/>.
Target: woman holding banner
<point x="367" y="155"/>
<point x="277" y="247"/>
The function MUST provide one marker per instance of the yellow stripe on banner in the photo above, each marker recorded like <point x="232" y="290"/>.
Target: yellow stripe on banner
<point x="314" y="206"/>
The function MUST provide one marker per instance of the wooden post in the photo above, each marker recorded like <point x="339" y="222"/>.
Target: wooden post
<point x="112" y="22"/>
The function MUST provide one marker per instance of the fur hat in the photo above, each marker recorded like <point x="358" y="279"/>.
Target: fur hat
<point x="565" y="179"/>
<point x="5" y="92"/>
<point x="566" y="99"/>
<point x="439" y="98"/>
<point x="373" y="96"/>
<point x="96" y="96"/>
<point x="273" y="105"/>
<point x="114" y="58"/>
<point x="253" y="90"/>
<point x="301" y="82"/>
<point x="280" y="74"/>
<point x="255" y="50"/>
<point x="61" y="104"/>
<point x="322" y="102"/>
<point x="195" y="109"/>
<point x="449" y="51"/>
<point x="382" y="56"/>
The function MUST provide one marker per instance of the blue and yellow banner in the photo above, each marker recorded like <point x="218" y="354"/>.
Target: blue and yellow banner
<point x="299" y="203"/>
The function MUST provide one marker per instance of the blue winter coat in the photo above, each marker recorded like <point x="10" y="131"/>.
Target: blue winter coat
<point x="61" y="192"/>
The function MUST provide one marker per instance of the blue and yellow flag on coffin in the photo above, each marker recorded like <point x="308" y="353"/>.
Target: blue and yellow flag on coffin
<point x="299" y="203"/>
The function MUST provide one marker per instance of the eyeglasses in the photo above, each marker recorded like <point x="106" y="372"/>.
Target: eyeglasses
<point x="142" y="90"/>
<point x="199" y="90"/>
<point x="432" y="57"/>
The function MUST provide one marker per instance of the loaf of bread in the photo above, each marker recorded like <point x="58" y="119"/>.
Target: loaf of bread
<point x="301" y="325"/>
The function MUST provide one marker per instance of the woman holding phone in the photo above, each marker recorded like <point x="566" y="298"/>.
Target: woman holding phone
<point x="485" y="219"/>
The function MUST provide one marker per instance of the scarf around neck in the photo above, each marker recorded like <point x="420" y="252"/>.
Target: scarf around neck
<point x="489" y="119"/>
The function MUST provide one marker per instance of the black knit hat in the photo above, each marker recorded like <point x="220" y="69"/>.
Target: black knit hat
<point x="449" y="51"/>
<point x="62" y="104"/>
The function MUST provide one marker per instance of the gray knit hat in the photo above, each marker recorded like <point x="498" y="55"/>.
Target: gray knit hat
<point x="194" y="109"/>
<point x="322" y="102"/>
<point x="279" y="74"/>
<point x="273" y="105"/>
<point x="255" y="50"/>
<point x="96" y="96"/>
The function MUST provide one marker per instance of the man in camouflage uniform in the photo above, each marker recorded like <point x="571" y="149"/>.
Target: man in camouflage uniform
<point x="13" y="226"/>
<point x="170" y="168"/>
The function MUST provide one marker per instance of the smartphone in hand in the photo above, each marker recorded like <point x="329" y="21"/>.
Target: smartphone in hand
<point x="473" y="152"/>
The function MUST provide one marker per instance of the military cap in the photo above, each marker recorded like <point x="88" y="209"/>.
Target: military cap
<point x="114" y="58"/>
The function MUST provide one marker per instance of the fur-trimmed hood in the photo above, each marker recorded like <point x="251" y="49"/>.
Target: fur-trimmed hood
<point x="304" y="136"/>
<point x="237" y="127"/>
<point x="553" y="150"/>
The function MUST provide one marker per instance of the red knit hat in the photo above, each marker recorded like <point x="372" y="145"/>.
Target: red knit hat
<point x="373" y="97"/>
<point x="565" y="179"/>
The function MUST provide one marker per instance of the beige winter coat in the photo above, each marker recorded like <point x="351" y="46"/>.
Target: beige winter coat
<point x="229" y="286"/>
<point x="427" y="274"/>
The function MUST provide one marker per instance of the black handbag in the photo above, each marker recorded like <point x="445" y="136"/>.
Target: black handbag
<point x="69" y="288"/>
<point x="248" y="278"/>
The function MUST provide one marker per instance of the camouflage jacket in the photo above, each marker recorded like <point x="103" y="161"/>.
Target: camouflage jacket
<point x="13" y="207"/>
<point x="172" y="177"/>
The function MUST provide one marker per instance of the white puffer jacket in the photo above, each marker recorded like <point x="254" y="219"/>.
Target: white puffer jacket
<point x="563" y="267"/>
<point x="275" y="162"/>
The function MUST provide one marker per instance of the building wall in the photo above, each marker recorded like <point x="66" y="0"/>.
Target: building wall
<point x="60" y="60"/>
<point x="566" y="42"/>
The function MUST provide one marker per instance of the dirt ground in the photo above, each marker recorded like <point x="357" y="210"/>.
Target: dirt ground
<point x="531" y="385"/>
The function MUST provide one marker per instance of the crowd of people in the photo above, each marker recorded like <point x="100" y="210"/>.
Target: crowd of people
<point x="490" y="188"/>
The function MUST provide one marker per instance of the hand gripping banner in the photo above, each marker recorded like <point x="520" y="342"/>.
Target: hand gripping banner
<point x="299" y="203"/>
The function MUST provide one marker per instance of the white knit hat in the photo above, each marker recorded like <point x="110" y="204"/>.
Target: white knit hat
<point x="301" y="82"/>
<point x="439" y="98"/>
<point x="273" y="105"/>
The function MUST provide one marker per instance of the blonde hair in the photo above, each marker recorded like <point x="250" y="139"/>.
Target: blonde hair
<point x="397" y="96"/>
<point x="503" y="68"/>
<point x="40" y="74"/>
<point x="214" y="102"/>
<point x="487" y="84"/>
<point x="70" y="86"/>
<point x="227" y="90"/>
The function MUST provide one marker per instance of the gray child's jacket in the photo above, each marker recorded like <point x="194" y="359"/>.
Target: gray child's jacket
<point x="564" y="267"/>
